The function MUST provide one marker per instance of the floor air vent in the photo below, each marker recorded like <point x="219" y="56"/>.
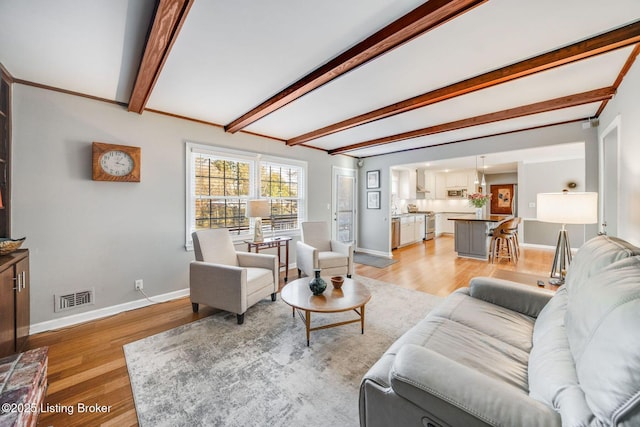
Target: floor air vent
<point x="76" y="299"/>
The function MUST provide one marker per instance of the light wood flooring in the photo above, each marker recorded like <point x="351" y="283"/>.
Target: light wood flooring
<point x="87" y="364"/>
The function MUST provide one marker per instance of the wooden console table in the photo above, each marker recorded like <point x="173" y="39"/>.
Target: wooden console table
<point x="274" y="242"/>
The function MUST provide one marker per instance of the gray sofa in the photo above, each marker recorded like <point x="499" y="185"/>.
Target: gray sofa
<point x="500" y="353"/>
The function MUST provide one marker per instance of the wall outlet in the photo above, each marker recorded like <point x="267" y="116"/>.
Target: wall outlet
<point x="138" y="285"/>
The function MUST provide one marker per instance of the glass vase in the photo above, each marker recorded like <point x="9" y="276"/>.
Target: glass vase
<point x="317" y="284"/>
<point x="479" y="213"/>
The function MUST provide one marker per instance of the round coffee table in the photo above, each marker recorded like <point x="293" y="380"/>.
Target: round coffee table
<point x="352" y="296"/>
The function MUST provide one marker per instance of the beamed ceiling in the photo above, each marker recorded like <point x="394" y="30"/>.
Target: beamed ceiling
<point x="358" y="77"/>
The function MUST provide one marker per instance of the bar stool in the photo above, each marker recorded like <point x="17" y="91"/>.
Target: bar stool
<point x="504" y="241"/>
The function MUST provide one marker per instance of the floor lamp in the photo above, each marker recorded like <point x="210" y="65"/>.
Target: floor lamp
<point x="565" y="208"/>
<point x="257" y="209"/>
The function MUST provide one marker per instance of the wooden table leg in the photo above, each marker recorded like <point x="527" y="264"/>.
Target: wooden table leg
<point x="286" y="259"/>
<point x="307" y="322"/>
<point x="362" y="318"/>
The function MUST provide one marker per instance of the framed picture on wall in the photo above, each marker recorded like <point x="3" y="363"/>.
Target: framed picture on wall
<point x="502" y="199"/>
<point x="373" y="200"/>
<point x="373" y="179"/>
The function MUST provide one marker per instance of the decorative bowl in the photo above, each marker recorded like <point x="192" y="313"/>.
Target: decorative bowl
<point x="337" y="281"/>
<point x="9" y="245"/>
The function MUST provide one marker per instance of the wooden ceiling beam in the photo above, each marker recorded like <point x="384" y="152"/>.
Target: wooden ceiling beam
<point x="420" y="20"/>
<point x="597" y="45"/>
<point x="167" y="21"/>
<point x="511" y="113"/>
<point x="623" y="72"/>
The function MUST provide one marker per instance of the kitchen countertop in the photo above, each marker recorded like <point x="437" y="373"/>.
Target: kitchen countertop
<point x="407" y="214"/>
<point x="472" y="217"/>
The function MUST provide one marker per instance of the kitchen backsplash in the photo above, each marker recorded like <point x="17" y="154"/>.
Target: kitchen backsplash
<point x="455" y="205"/>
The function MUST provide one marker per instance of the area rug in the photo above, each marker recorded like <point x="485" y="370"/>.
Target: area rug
<point x="217" y="373"/>
<point x="372" y="260"/>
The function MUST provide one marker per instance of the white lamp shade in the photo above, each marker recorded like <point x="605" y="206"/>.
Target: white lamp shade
<point x="568" y="208"/>
<point x="258" y="208"/>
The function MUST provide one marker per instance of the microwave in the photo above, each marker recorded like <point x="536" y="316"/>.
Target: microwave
<point x="460" y="194"/>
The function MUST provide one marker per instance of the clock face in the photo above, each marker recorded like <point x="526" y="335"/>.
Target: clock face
<point x="116" y="163"/>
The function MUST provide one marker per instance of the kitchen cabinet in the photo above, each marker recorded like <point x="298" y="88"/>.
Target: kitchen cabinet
<point x="439" y="225"/>
<point x="440" y="182"/>
<point x="419" y="228"/>
<point x="407" y="227"/>
<point x="406" y="184"/>
<point x="411" y="227"/>
<point x="395" y="182"/>
<point x="14" y="301"/>
<point x="427" y="180"/>
<point x="448" y="226"/>
<point x="471" y="235"/>
<point x="457" y="180"/>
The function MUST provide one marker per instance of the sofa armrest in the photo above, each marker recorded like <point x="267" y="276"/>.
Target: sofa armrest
<point x="306" y="258"/>
<point x="515" y="296"/>
<point x="436" y="384"/>
<point x="218" y="285"/>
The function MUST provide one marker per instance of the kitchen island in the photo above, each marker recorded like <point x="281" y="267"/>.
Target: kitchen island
<point x="472" y="234"/>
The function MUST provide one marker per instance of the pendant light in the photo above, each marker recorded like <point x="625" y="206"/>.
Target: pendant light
<point x="476" y="181"/>
<point x="484" y="182"/>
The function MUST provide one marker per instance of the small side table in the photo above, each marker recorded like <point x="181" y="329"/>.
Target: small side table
<point x="274" y="242"/>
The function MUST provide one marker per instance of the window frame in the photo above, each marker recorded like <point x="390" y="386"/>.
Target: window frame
<point x="256" y="160"/>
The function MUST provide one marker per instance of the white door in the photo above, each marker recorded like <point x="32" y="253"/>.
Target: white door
<point x="344" y="204"/>
<point x="609" y="178"/>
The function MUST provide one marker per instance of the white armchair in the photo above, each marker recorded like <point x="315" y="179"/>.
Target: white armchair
<point x="318" y="251"/>
<point x="228" y="280"/>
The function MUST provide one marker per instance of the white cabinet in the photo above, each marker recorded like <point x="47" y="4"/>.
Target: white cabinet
<point x="441" y="186"/>
<point x="443" y="225"/>
<point x="395" y="182"/>
<point x="439" y="225"/>
<point x="457" y="180"/>
<point x="471" y="179"/>
<point x="412" y="184"/>
<point x="407" y="229"/>
<point x="406" y="184"/>
<point x="418" y="231"/>
<point x="429" y="185"/>
<point x="412" y="229"/>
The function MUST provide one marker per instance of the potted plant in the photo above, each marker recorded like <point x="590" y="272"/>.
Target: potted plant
<point x="478" y="200"/>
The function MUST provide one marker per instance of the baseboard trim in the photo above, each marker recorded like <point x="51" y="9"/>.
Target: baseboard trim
<point x="75" y="319"/>
<point x="377" y="253"/>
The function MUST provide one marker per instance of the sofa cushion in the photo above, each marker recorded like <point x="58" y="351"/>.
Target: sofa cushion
<point x="551" y="316"/>
<point x="602" y="328"/>
<point x="472" y="332"/>
<point x="331" y="260"/>
<point x="593" y="256"/>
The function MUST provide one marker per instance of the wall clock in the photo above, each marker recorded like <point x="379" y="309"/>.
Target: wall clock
<point x="112" y="162"/>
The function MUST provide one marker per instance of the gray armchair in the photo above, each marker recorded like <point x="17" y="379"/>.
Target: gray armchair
<point x="318" y="251"/>
<point x="228" y="280"/>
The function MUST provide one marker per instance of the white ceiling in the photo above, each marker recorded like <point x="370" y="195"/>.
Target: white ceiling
<point x="230" y="56"/>
<point x="504" y="162"/>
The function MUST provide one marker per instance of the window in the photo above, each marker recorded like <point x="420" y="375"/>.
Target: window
<point x="220" y="182"/>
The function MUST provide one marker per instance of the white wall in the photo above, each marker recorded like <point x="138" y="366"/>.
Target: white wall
<point x="549" y="177"/>
<point x="104" y="235"/>
<point x="626" y="104"/>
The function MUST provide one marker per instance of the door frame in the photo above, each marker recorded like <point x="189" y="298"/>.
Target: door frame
<point x="614" y="126"/>
<point x="335" y="170"/>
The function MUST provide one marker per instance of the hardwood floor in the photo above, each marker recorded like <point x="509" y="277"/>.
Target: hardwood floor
<point x="87" y="364"/>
